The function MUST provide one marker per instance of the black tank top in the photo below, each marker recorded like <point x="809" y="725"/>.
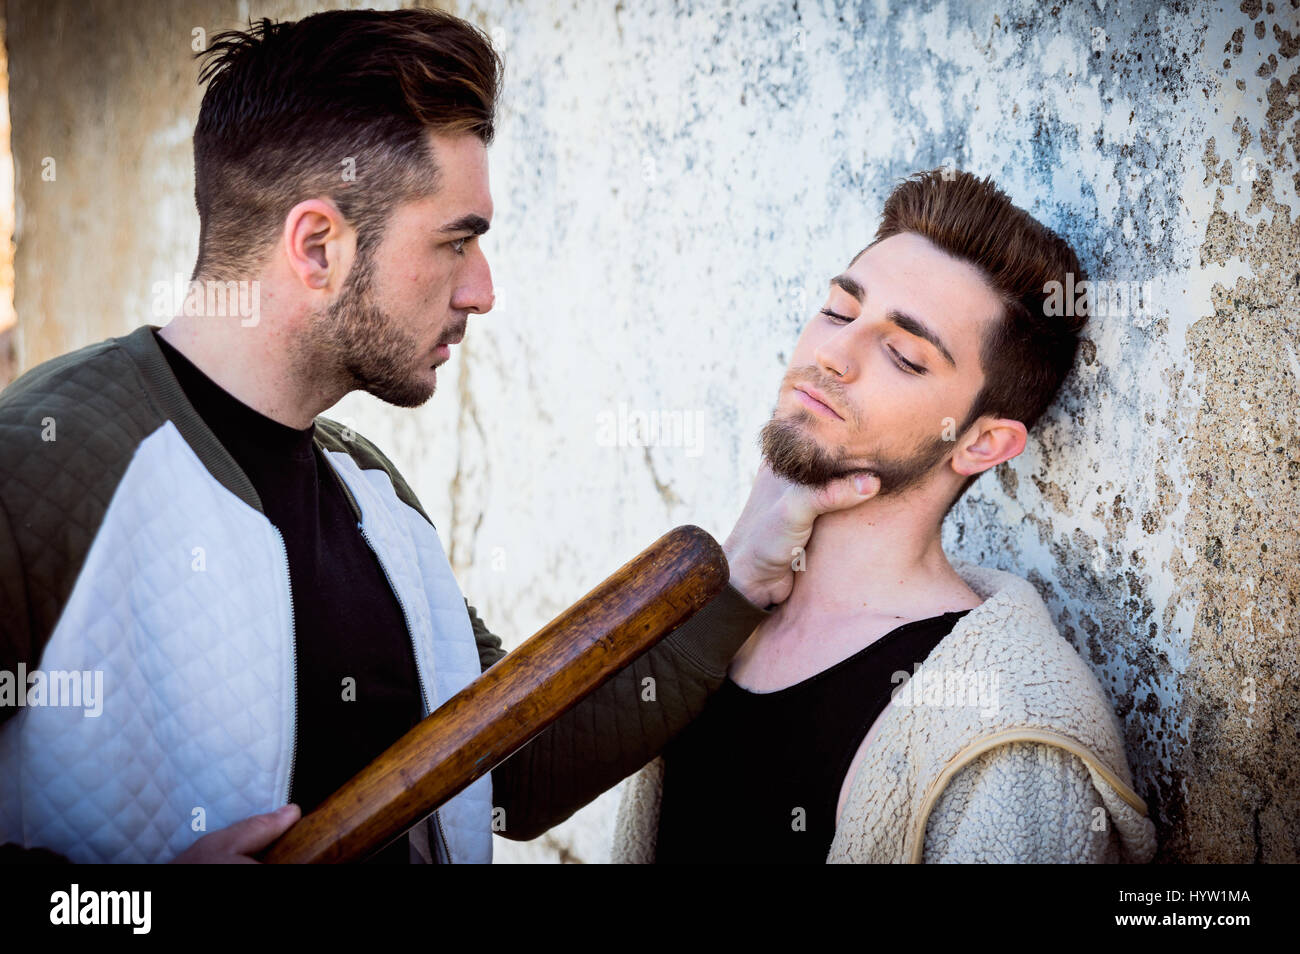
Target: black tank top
<point x="757" y="776"/>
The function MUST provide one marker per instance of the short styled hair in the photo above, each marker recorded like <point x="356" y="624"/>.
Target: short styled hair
<point x="1028" y="351"/>
<point x="334" y="105"/>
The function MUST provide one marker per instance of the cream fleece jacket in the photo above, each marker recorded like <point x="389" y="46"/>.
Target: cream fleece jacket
<point x="1023" y="762"/>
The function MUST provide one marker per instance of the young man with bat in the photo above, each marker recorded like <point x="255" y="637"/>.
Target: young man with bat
<point x="262" y="600"/>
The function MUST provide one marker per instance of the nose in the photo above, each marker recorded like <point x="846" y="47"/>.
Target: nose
<point x="833" y="355"/>
<point x="475" y="293"/>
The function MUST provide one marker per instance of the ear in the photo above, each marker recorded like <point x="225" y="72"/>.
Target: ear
<point x="991" y="441"/>
<point x="318" y="244"/>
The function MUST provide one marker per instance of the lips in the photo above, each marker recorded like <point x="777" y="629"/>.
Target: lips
<point x="819" y="398"/>
<point x="444" y="347"/>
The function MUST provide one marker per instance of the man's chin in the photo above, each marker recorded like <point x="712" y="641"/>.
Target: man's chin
<point x="413" y="392"/>
<point x="808" y="476"/>
<point x="795" y="456"/>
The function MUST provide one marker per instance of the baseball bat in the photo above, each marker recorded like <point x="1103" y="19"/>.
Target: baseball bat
<point x="514" y="700"/>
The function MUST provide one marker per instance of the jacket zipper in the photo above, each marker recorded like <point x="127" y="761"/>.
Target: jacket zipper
<point x="293" y="670"/>
<point x="410" y="632"/>
<point x="437" y="820"/>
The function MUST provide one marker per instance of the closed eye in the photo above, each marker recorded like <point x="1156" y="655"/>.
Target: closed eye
<point x="905" y="364"/>
<point x="902" y="363"/>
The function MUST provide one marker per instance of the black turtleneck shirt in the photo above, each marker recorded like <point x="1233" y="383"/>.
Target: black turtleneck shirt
<point x="348" y="624"/>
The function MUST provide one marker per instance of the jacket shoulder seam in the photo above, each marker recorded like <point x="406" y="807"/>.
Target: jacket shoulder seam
<point x="983" y="744"/>
<point x="335" y="437"/>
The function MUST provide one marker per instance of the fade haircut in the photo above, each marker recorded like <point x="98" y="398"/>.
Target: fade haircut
<point x="292" y="108"/>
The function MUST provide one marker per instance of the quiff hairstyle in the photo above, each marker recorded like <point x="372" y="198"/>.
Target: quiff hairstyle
<point x="1026" y="353"/>
<point x="291" y="108"/>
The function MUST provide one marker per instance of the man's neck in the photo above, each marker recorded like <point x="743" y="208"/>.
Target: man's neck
<point x="884" y="557"/>
<point x="260" y="365"/>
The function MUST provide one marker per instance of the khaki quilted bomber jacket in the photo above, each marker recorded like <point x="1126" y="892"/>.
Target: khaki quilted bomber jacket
<point x="1041" y="776"/>
<point x="108" y="479"/>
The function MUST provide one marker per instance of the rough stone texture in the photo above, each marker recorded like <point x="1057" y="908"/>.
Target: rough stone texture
<point x="675" y="182"/>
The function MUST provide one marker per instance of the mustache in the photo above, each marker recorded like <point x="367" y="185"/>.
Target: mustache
<point x="456" y="333"/>
<point x="812" y="375"/>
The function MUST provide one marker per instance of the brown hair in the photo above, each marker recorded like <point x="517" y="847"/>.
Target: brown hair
<point x="291" y="108"/>
<point x="1027" y="353"/>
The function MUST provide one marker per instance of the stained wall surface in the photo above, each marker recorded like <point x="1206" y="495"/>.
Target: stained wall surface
<point x="675" y="182"/>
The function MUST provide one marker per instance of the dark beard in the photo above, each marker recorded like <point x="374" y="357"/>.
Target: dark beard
<point x="364" y="345"/>
<point x="793" y="454"/>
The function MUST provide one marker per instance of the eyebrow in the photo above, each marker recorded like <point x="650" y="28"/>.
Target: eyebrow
<point x="468" y="223"/>
<point x="913" y="326"/>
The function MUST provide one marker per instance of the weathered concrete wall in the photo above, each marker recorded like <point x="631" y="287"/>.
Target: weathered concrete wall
<point x="673" y="185"/>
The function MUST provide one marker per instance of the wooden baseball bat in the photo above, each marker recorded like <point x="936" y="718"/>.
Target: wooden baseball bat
<point x="491" y="718"/>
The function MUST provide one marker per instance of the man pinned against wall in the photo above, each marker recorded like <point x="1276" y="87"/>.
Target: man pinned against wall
<point x="929" y="362"/>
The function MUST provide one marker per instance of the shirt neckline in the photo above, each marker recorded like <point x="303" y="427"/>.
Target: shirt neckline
<point x="818" y="676"/>
<point x="249" y="425"/>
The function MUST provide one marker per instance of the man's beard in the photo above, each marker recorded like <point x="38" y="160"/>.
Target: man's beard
<point x="362" y="344"/>
<point x="793" y="453"/>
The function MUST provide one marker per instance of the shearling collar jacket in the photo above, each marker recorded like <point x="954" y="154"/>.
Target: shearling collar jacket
<point x="1036" y="772"/>
<point x="134" y="549"/>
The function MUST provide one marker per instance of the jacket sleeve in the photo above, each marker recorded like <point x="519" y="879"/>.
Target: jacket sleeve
<point x="623" y="724"/>
<point x="490" y="649"/>
<point x="15" y="648"/>
<point x="1021" y="803"/>
<point x="15" y="622"/>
